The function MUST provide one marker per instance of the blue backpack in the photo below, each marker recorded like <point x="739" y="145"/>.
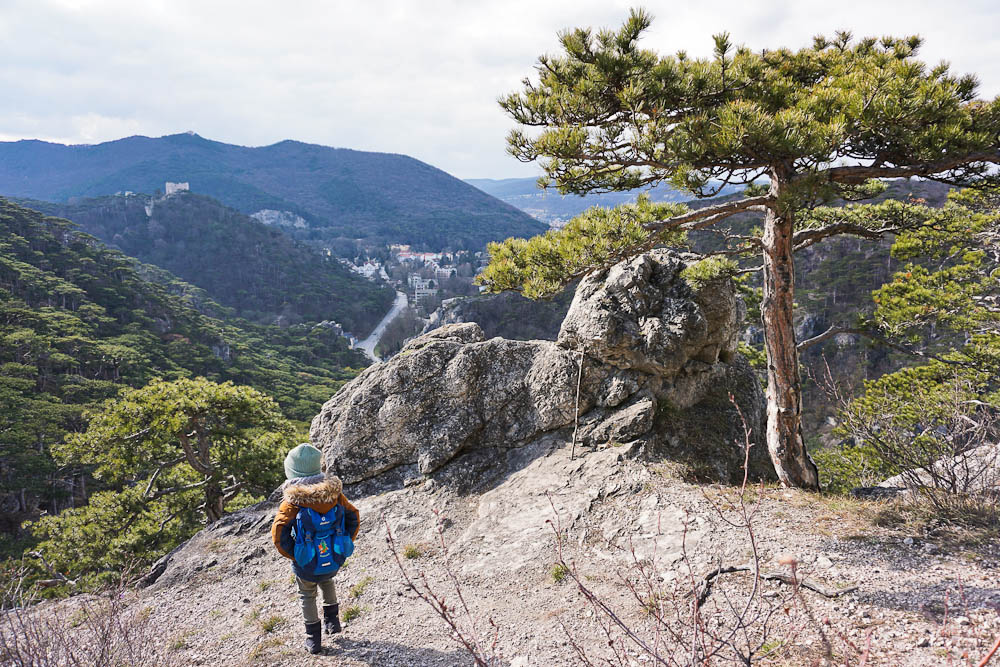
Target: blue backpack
<point x="321" y="542"/>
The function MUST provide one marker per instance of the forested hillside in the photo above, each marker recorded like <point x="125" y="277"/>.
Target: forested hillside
<point x="340" y="193"/>
<point x="79" y="322"/>
<point x="241" y="263"/>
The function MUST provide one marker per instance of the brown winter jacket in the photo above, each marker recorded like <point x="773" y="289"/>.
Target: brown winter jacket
<point x="322" y="497"/>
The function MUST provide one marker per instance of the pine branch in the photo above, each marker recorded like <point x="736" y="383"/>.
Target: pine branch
<point x="708" y="215"/>
<point x="859" y="173"/>
<point x="807" y="237"/>
<point x="191" y="457"/>
<point x="176" y="489"/>
<point x="159" y="469"/>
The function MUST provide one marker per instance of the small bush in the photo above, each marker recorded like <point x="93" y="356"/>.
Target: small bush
<point x="842" y="468"/>
<point x="411" y="551"/>
<point x="106" y="632"/>
<point x="258" y="651"/>
<point x="359" y="588"/>
<point x="272" y="623"/>
<point x="179" y="643"/>
<point x="559" y="573"/>
<point x="352" y="612"/>
<point x="252" y="616"/>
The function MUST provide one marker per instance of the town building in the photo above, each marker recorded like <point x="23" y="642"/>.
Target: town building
<point x="368" y="270"/>
<point x="443" y="273"/>
<point x="174" y="188"/>
<point x="422" y="287"/>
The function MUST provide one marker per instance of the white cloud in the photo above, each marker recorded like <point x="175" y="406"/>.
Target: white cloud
<point x="419" y="78"/>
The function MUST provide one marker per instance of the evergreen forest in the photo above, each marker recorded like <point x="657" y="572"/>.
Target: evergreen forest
<point x="81" y="323"/>
<point x="257" y="270"/>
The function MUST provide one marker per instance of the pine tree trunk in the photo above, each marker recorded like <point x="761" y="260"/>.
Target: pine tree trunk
<point x="213" y="502"/>
<point x="784" y="388"/>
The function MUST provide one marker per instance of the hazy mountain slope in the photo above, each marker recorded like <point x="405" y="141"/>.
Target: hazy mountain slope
<point x="550" y="206"/>
<point x="240" y="262"/>
<point x="341" y="193"/>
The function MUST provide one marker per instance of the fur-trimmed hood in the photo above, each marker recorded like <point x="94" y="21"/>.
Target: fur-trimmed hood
<point x="317" y="492"/>
<point x="304" y="492"/>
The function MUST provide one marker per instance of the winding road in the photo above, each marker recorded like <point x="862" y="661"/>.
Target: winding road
<point x="368" y="344"/>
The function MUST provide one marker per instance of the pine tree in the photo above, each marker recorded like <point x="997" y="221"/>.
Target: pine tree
<point x="819" y="124"/>
<point x="943" y="304"/>
<point x="172" y="456"/>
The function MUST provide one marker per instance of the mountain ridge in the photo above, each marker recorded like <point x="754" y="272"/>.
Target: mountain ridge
<point x="551" y="207"/>
<point x="342" y="193"/>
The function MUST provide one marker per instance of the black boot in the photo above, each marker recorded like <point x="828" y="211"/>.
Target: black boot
<point x="314" y="637"/>
<point x="331" y="618"/>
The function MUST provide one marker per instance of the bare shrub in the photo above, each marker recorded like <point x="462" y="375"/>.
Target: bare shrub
<point x="100" y="631"/>
<point x="940" y="439"/>
<point x="944" y="441"/>
<point x="697" y="619"/>
<point x="479" y="639"/>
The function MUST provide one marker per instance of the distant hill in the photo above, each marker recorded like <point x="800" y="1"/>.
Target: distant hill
<point x="241" y="263"/>
<point x="339" y="193"/>
<point x="549" y="206"/>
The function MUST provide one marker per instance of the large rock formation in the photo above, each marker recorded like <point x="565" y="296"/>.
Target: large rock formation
<point x="658" y="366"/>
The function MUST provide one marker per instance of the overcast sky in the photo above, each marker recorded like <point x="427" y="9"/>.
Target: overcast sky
<point x="418" y="77"/>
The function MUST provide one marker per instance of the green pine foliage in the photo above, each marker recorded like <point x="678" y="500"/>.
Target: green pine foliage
<point x="615" y="116"/>
<point x="942" y="303"/>
<point x="170" y="457"/>
<point x="541" y="266"/>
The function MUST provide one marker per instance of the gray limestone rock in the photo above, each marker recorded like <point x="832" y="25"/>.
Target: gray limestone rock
<point x="446" y="392"/>
<point x="658" y="366"/>
<point x="641" y="314"/>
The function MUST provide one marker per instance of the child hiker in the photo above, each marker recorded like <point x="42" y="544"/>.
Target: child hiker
<point x="315" y="527"/>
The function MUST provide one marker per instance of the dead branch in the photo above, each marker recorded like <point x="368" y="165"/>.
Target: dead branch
<point x="58" y="577"/>
<point x="468" y="637"/>
<point x="989" y="656"/>
<point x="708" y="579"/>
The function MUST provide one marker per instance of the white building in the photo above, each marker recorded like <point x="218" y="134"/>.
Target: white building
<point x="408" y="256"/>
<point x="422" y="287"/>
<point x="368" y="269"/>
<point x="443" y="274"/>
<point x="173" y="188"/>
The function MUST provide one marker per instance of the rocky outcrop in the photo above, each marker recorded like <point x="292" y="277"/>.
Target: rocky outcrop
<point x="658" y="366"/>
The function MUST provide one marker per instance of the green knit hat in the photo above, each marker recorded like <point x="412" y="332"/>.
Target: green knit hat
<point x="303" y="461"/>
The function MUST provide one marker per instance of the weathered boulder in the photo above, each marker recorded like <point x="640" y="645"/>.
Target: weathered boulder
<point x="445" y="392"/>
<point x="658" y="367"/>
<point x="641" y="314"/>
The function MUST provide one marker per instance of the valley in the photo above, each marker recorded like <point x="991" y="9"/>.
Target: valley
<point x="733" y="369"/>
